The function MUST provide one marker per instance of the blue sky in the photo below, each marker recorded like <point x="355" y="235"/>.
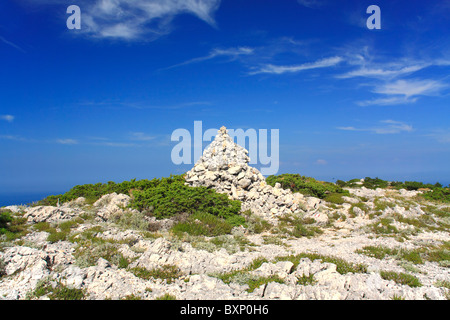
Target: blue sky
<point x="99" y="104"/>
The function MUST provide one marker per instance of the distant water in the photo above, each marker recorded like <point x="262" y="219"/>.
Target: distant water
<point x="9" y="199"/>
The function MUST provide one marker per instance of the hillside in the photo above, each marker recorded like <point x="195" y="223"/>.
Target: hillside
<point x="223" y="231"/>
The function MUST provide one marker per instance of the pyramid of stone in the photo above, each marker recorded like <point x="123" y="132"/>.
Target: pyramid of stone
<point x="224" y="167"/>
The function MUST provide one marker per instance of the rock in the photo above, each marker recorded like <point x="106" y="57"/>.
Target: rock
<point x="111" y="204"/>
<point x="349" y="199"/>
<point x="282" y="269"/>
<point x="51" y="214"/>
<point x="224" y="167"/>
<point x="14" y="209"/>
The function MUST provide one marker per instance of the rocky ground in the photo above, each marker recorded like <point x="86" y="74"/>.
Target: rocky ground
<point x="376" y="244"/>
<point x="107" y="258"/>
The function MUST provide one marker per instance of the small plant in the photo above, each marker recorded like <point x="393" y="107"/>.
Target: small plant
<point x="335" y="198"/>
<point x="131" y="297"/>
<point x="298" y="227"/>
<point x="401" y="278"/>
<point x="2" y="268"/>
<point x="305" y="280"/>
<point x="165" y="272"/>
<point x="166" y="296"/>
<point x="384" y="226"/>
<point x="342" y="266"/>
<point x="305" y="185"/>
<point x="12" y="227"/>
<point x="203" y="224"/>
<point x="57" y="292"/>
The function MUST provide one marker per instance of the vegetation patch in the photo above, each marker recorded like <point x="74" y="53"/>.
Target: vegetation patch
<point x="203" y="224"/>
<point x="342" y="266"/>
<point x="12" y="226"/>
<point x="306" y="185"/>
<point x="298" y="227"/>
<point x="166" y="272"/>
<point x="57" y="292"/>
<point x="401" y="278"/>
<point x="244" y="276"/>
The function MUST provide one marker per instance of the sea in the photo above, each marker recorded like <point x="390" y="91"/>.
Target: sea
<point x="9" y="199"/>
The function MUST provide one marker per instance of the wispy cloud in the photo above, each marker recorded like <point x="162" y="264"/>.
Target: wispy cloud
<point x="15" y="46"/>
<point x="274" y="69"/>
<point x="115" y="144"/>
<point x="13" y="138"/>
<point x="386" y="127"/>
<point x="7" y="117"/>
<point x="67" y="141"/>
<point x="404" y="91"/>
<point x="411" y="88"/>
<point x="142" y="105"/>
<point x="313" y="4"/>
<point x="382" y="71"/>
<point x="232" y="53"/>
<point x="442" y="136"/>
<point x="131" y="20"/>
<point x="141" y="136"/>
<point x="321" y="162"/>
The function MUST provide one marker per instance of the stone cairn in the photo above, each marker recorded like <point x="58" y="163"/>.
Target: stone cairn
<point x="224" y="167"/>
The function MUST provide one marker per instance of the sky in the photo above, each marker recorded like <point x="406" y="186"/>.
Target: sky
<point x="100" y="103"/>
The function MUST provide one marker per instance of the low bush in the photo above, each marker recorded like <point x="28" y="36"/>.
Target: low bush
<point x="164" y="198"/>
<point x="12" y="227"/>
<point x="165" y="272"/>
<point x="58" y="292"/>
<point x="172" y="197"/>
<point x="305" y="185"/>
<point x="401" y="278"/>
<point x="203" y="224"/>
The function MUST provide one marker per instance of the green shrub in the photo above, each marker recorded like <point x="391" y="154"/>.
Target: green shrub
<point x="162" y="198"/>
<point x="371" y="183"/>
<point x="298" y="227"/>
<point x="165" y="272"/>
<point x="172" y="197"/>
<point x="59" y="292"/>
<point x="93" y="192"/>
<point x="401" y="278"/>
<point x="438" y="194"/>
<point x="342" y="266"/>
<point x="166" y="297"/>
<point x="335" y="198"/>
<point x="12" y="227"/>
<point x="306" y="280"/>
<point x="203" y="224"/>
<point x="305" y="185"/>
<point x="2" y="268"/>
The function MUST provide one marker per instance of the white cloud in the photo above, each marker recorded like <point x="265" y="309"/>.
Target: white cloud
<point x="9" y="43"/>
<point x="311" y="3"/>
<point x="386" y="101"/>
<point x="140" y="136"/>
<point x="7" y="117"/>
<point x="273" y="69"/>
<point x="13" y="138"/>
<point x="440" y="135"/>
<point x="149" y="19"/>
<point x="386" y="127"/>
<point x="404" y="91"/>
<point x="67" y="141"/>
<point x="410" y="88"/>
<point x="382" y="71"/>
<point x="232" y="53"/>
<point x="321" y="162"/>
